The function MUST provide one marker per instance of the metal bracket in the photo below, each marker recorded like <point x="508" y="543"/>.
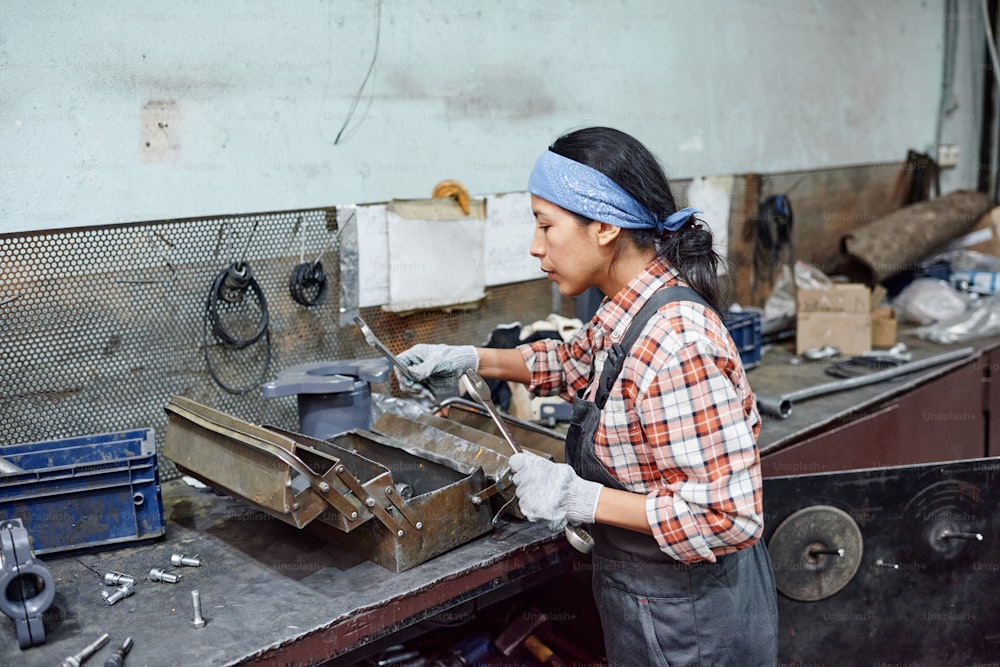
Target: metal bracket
<point x="400" y="504"/>
<point x="378" y="510"/>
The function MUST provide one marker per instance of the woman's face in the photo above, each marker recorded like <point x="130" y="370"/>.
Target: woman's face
<point x="568" y="252"/>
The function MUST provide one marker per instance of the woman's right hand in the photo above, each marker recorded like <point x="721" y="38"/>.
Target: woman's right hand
<point x="436" y="368"/>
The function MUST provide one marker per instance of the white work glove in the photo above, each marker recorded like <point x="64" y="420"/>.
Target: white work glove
<point x="437" y="368"/>
<point x="553" y="492"/>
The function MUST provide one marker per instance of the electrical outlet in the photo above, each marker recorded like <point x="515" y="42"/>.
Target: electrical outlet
<point x="948" y="155"/>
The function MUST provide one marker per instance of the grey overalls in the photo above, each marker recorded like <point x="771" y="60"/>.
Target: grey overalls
<point x="656" y="610"/>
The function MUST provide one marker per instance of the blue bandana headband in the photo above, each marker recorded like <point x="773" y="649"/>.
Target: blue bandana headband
<point x="585" y="191"/>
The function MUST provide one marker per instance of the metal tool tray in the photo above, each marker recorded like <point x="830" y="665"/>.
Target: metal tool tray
<point x="463" y="443"/>
<point x="529" y="435"/>
<point x="354" y="489"/>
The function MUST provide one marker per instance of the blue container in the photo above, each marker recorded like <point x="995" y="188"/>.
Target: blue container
<point x="745" y="328"/>
<point x="90" y="492"/>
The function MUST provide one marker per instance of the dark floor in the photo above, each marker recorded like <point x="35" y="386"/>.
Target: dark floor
<point x="555" y="623"/>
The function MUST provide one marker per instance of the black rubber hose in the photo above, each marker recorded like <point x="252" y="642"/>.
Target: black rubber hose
<point x="233" y="285"/>
<point x="307" y="284"/>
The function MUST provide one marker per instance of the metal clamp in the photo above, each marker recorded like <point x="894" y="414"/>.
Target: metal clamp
<point x="20" y="596"/>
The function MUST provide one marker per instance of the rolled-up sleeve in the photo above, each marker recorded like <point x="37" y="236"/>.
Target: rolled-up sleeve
<point x="557" y="367"/>
<point x="701" y="437"/>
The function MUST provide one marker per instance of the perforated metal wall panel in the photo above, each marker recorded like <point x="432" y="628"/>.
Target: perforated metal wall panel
<point x="99" y="327"/>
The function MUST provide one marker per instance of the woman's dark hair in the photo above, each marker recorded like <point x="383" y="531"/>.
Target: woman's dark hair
<point x="627" y="162"/>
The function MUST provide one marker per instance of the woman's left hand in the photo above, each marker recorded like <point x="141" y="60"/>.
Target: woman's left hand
<point x="553" y="492"/>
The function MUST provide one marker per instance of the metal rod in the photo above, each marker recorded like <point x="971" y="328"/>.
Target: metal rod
<point x="781" y="406"/>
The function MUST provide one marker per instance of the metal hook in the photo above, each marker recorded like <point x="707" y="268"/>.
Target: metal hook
<point x="246" y="248"/>
<point x="161" y="248"/>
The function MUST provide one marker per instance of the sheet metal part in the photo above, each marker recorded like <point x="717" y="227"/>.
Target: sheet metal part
<point x="457" y="442"/>
<point x="261" y="466"/>
<point x="530" y="435"/>
<point x="781" y="405"/>
<point x="901" y="511"/>
<point x="357" y="474"/>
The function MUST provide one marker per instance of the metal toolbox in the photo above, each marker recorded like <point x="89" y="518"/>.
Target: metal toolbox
<point x="85" y="493"/>
<point x="392" y="503"/>
<point x="464" y="440"/>
<point x="529" y="435"/>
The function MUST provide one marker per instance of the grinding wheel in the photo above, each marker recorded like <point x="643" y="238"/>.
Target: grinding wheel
<point x="816" y="552"/>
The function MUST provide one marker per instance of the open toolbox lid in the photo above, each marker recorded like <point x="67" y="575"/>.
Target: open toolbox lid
<point x="528" y="435"/>
<point x="390" y="502"/>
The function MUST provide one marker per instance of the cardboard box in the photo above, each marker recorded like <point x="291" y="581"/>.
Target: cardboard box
<point x="839" y="317"/>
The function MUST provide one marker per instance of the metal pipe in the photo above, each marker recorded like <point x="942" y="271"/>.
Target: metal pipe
<point x="781" y="406"/>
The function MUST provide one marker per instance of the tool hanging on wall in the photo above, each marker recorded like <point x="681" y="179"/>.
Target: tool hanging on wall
<point x="236" y="318"/>
<point x="307" y="283"/>
<point x="772" y="244"/>
<point x="454" y="190"/>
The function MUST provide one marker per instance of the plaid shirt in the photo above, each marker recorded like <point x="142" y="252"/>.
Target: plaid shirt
<point x="680" y="424"/>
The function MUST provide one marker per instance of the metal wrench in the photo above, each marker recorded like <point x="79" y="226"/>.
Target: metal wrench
<point x="372" y="340"/>
<point x="474" y="384"/>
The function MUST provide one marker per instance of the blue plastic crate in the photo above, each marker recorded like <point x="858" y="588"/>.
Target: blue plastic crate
<point x="745" y="328"/>
<point x="88" y="492"/>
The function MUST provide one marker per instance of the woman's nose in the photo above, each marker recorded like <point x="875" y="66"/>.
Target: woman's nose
<point x="536" y="249"/>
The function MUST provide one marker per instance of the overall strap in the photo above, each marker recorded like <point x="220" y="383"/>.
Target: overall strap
<point x="619" y="351"/>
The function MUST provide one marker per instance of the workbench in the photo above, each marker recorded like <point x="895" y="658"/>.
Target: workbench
<point x="274" y="594"/>
<point x="939" y="413"/>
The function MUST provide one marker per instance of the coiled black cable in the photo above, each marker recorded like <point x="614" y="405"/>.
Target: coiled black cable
<point x="307" y="284"/>
<point x="235" y="285"/>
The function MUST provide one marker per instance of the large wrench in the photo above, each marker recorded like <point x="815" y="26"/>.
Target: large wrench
<point x="474" y="384"/>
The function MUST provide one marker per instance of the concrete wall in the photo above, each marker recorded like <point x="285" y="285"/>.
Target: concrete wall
<point x="116" y="111"/>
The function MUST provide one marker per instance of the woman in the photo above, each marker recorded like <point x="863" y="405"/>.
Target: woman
<point x="662" y="461"/>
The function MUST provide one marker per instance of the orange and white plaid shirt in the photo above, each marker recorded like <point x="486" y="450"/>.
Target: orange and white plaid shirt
<point x="680" y="424"/>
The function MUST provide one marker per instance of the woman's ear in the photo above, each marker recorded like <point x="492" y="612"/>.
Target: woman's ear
<point x="607" y="234"/>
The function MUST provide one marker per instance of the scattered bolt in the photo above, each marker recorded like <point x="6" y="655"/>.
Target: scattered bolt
<point x="117" y="659"/>
<point x="156" y="574"/>
<point x="120" y="593"/>
<point x="188" y="561"/>
<point x="81" y="657"/>
<point x="198" y="621"/>
<point x="117" y="578"/>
